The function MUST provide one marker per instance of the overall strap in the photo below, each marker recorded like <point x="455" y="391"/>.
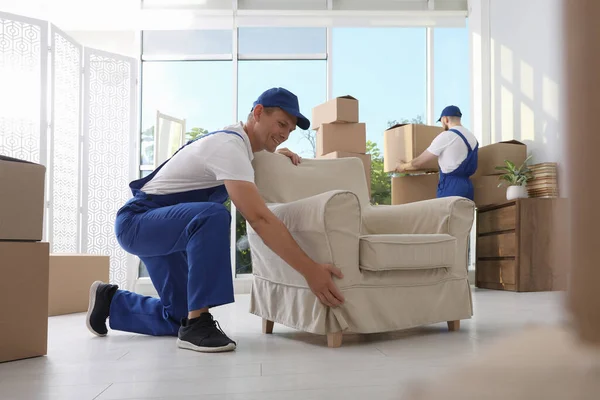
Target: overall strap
<point x="462" y="137"/>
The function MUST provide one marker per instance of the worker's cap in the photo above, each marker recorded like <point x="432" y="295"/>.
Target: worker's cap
<point x="287" y="101"/>
<point x="450" y="111"/>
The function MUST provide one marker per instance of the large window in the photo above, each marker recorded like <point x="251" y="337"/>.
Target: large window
<point x="452" y="83"/>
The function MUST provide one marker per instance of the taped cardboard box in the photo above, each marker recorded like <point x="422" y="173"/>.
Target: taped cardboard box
<point x="487" y="192"/>
<point x="365" y="158"/>
<point x="343" y="109"/>
<point x="405" y="142"/>
<point x="71" y="276"/>
<point x="22" y="199"/>
<point x="493" y="155"/>
<point x="24" y="297"/>
<point x="351" y="138"/>
<point x="413" y="188"/>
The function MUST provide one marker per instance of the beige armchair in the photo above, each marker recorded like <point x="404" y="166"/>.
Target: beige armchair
<point x="404" y="266"/>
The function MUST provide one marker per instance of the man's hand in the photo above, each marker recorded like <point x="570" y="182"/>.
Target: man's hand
<point x="320" y="282"/>
<point x="403" y="166"/>
<point x="296" y="159"/>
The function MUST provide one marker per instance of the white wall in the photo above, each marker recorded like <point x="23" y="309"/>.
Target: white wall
<point x="125" y="43"/>
<point x="527" y="75"/>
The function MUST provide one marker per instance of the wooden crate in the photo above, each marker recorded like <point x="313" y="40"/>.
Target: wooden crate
<point x="515" y="246"/>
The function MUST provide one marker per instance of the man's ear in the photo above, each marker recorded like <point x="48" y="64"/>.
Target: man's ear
<point x="257" y="112"/>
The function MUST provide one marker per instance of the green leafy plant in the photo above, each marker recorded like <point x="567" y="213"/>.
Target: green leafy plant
<point x="514" y="176"/>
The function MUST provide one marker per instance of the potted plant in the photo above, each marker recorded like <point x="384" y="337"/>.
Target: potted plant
<point x="516" y="179"/>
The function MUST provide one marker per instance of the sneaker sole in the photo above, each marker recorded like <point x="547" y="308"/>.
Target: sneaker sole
<point x="189" y="346"/>
<point x="91" y="304"/>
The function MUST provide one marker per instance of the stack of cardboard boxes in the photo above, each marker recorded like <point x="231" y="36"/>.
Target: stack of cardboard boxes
<point x="339" y="132"/>
<point x="24" y="261"/>
<point x="405" y="142"/>
<point x="486" y="179"/>
<point x="35" y="284"/>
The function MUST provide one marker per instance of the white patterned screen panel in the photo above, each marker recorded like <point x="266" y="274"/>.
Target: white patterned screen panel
<point x="23" y="82"/>
<point x="109" y="107"/>
<point x="65" y="136"/>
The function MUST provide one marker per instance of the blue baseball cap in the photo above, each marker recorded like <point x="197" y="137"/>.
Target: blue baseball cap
<point x="450" y="111"/>
<point x="287" y="101"/>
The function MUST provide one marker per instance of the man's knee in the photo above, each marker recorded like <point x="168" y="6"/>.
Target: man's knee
<point x="216" y="215"/>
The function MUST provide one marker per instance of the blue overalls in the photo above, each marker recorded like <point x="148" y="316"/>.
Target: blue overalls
<point x="183" y="239"/>
<point x="458" y="182"/>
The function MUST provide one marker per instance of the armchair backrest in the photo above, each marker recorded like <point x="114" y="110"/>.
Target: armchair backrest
<point x="280" y="181"/>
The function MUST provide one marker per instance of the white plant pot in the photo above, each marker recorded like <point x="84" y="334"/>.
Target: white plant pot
<point x="516" y="192"/>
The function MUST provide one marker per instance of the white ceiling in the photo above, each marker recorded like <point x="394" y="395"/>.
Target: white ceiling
<point x="217" y="14"/>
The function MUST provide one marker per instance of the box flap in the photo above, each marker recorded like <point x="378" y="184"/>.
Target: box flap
<point x="347" y="97"/>
<point x="512" y="142"/>
<point x="12" y="159"/>
<point x="396" y="126"/>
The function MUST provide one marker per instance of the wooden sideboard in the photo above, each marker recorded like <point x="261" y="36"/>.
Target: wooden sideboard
<point x="518" y="247"/>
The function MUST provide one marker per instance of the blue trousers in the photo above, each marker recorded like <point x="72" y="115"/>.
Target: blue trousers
<point x="186" y="250"/>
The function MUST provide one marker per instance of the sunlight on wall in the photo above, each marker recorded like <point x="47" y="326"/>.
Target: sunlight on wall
<point x="550" y="97"/>
<point x="506" y="63"/>
<point x="493" y="90"/>
<point x="527" y="84"/>
<point x="507" y="113"/>
<point x="527" y="123"/>
<point x="477" y="82"/>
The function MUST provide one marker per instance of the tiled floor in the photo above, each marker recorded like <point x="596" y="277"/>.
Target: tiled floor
<point x="284" y="366"/>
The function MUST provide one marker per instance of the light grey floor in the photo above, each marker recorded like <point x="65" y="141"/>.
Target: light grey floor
<point x="284" y="366"/>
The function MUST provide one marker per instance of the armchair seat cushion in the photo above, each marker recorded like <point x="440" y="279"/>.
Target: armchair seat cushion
<point x="406" y="252"/>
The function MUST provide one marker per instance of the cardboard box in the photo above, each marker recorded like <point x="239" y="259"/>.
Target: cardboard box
<point x="24" y="297"/>
<point x="487" y="192"/>
<point x="405" y="142"/>
<point x="21" y="200"/>
<point x="351" y="138"/>
<point x="342" y="109"/>
<point x="412" y="188"/>
<point x="71" y="276"/>
<point x="366" y="159"/>
<point x="493" y="155"/>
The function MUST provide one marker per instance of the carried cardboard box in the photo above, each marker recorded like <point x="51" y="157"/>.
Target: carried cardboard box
<point x="343" y="109"/>
<point x="413" y="188"/>
<point x="487" y="192"/>
<point x="21" y="199"/>
<point x="350" y="137"/>
<point x="405" y="142"/>
<point x="493" y="155"/>
<point x="24" y="299"/>
<point x="366" y="159"/>
<point x="71" y="276"/>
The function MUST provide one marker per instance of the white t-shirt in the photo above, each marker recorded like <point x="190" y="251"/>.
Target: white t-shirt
<point x="451" y="149"/>
<point x="206" y="163"/>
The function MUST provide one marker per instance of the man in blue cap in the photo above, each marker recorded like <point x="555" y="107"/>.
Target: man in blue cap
<point x="177" y="225"/>
<point x="456" y="151"/>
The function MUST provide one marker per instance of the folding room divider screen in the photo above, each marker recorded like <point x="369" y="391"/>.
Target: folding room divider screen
<point x="72" y="109"/>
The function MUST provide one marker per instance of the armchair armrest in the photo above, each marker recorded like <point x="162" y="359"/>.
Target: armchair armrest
<point x="449" y="215"/>
<point x="327" y="228"/>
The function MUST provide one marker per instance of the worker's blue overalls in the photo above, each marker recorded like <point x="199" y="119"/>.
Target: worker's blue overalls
<point x="458" y="182"/>
<point x="183" y="239"/>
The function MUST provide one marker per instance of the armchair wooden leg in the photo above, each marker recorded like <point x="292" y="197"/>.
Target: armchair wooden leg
<point x="267" y="326"/>
<point x="334" y="339"/>
<point x="453" y="326"/>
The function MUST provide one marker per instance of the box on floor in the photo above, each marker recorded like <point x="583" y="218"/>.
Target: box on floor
<point x="494" y="155"/>
<point x="413" y="188"/>
<point x="343" y="109"/>
<point x="24" y="298"/>
<point x="365" y="158"/>
<point x="71" y="276"/>
<point x="405" y="142"/>
<point x="348" y="137"/>
<point x="22" y="200"/>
